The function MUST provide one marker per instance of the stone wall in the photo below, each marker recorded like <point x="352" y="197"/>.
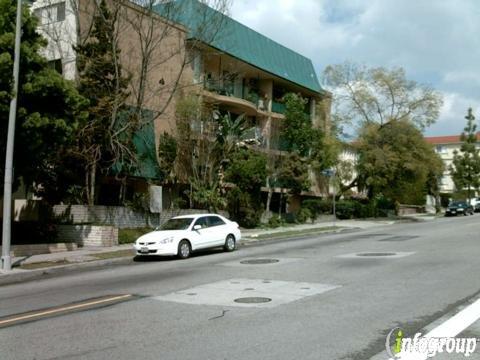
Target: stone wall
<point x="88" y="235"/>
<point x="118" y="216"/>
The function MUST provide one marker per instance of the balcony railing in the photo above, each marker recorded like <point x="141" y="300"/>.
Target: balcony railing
<point x="278" y="107"/>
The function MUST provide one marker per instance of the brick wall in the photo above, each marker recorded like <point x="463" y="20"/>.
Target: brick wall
<point x="88" y="235"/>
<point x="118" y="216"/>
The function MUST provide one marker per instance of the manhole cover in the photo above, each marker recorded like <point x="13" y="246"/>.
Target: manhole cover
<point x="252" y="300"/>
<point x="259" y="261"/>
<point x="377" y="254"/>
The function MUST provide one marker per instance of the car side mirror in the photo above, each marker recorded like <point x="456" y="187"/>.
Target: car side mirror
<point x="197" y="227"/>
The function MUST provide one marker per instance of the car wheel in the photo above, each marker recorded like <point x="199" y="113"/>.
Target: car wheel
<point x="184" y="249"/>
<point x="230" y="243"/>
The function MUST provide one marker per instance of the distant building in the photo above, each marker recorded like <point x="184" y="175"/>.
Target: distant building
<point x="445" y="146"/>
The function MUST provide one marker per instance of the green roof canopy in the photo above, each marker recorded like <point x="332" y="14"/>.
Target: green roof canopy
<point x="225" y="34"/>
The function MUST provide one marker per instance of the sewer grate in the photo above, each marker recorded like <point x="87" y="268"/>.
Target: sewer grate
<point x="252" y="300"/>
<point x="259" y="261"/>
<point x="399" y="238"/>
<point x="377" y="254"/>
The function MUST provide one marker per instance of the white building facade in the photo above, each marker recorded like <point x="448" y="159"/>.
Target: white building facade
<point x="445" y="146"/>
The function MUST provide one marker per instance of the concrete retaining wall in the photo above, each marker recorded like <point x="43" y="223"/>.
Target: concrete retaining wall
<point x="89" y="235"/>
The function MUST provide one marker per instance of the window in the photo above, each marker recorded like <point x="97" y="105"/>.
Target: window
<point x="50" y="14"/>
<point x="202" y="221"/>
<point x="440" y="149"/>
<point x="215" y="221"/>
<point x="56" y="65"/>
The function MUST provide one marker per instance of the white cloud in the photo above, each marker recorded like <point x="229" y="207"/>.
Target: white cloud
<point x="435" y="41"/>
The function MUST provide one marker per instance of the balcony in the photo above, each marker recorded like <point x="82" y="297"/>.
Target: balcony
<point x="278" y="107"/>
<point x="224" y="95"/>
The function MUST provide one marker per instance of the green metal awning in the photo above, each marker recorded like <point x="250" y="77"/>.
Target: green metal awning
<point x="233" y="38"/>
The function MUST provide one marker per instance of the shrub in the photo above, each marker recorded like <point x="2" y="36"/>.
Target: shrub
<point x="346" y="209"/>
<point x="249" y="218"/>
<point x="303" y="215"/>
<point x="317" y="206"/>
<point x="275" y="221"/>
<point x="128" y="236"/>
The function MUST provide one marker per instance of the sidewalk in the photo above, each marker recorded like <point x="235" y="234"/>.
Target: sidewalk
<point x="32" y="266"/>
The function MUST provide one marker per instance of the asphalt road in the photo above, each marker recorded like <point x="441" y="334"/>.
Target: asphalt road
<point x="325" y="302"/>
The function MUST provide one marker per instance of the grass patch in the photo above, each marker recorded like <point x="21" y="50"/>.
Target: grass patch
<point x="44" y="264"/>
<point x="113" y="254"/>
<point x="297" y="233"/>
<point x="128" y="236"/>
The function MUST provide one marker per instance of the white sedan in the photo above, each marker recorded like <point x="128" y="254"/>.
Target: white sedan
<point x="183" y="234"/>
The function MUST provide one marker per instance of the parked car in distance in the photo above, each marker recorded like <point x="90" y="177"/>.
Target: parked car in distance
<point x="182" y="235"/>
<point x="477" y="207"/>
<point x="459" y="208"/>
<point x="474" y="202"/>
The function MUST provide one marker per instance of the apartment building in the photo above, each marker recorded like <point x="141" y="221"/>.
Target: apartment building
<point x="445" y="147"/>
<point x="198" y="50"/>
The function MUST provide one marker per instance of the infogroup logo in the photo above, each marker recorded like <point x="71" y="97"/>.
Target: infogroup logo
<point x="420" y="346"/>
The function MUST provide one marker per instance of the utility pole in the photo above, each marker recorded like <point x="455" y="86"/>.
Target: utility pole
<point x="334" y="172"/>
<point x="7" y="192"/>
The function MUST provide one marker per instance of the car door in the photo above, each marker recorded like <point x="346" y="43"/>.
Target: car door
<point x="218" y="229"/>
<point x="201" y="236"/>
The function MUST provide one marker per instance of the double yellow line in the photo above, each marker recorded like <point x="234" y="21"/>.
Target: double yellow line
<point x="63" y="309"/>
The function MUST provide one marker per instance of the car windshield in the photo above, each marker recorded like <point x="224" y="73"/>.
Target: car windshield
<point x="458" y="203"/>
<point x="176" y="224"/>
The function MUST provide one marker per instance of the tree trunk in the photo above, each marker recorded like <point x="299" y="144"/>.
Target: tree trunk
<point x="91" y="177"/>
<point x="269" y="196"/>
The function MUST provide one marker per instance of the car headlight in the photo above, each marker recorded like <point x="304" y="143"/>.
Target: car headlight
<point x="166" y="240"/>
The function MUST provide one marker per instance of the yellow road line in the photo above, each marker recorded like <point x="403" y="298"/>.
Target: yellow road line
<point x="66" y="308"/>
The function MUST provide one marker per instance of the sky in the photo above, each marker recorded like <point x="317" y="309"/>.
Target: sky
<point x="437" y="42"/>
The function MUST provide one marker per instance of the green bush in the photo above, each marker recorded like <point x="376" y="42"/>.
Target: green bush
<point x="303" y="215"/>
<point x="318" y="206"/>
<point x="249" y="218"/>
<point x="128" y="236"/>
<point x="243" y="208"/>
<point x="275" y="221"/>
<point x="346" y="209"/>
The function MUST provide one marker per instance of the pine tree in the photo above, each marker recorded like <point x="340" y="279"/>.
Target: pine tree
<point x="49" y="107"/>
<point x="105" y="138"/>
<point x="465" y="168"/>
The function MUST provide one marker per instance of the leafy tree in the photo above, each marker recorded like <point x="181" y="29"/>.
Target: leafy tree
<point x="167" y="153"/>
<point x="206" y="141"/>
<point x="105" y="138"/>
<point x="379" y="95"/>
<point x="297" y="127"/>
<point x="465" y="168"/>
<point x="394" y="161"/>
<point x="247" y="172"/>
<point x="309" y="149"/>
<point x="49" y="108"/>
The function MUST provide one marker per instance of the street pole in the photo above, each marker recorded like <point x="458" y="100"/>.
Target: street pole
<point x="334" y="199"/>
<point x="7" y="190"/>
